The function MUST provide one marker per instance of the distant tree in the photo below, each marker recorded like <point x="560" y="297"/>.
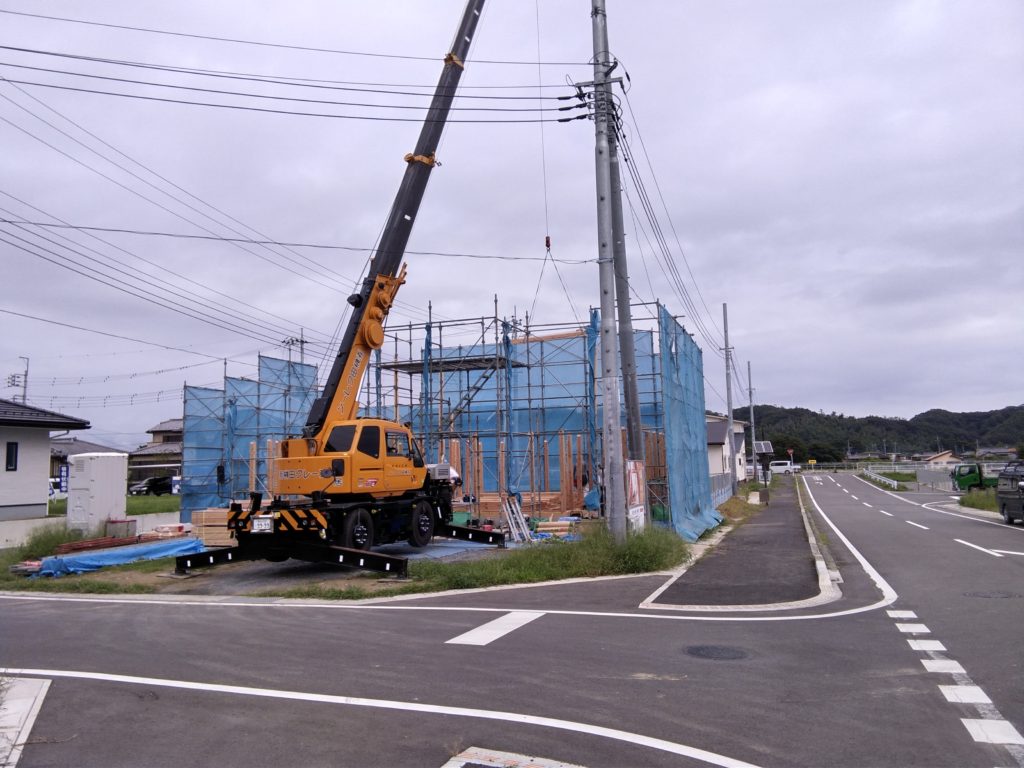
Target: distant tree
<point x="824" y="453"/>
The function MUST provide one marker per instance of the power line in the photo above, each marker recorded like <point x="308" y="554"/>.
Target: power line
<point x="301" y="82"/>
<point x="132" y="339"/>
<point x="296" y="113"/>
<point x="269" y="97"/>
<point x="326" y="246"/>
<point x="319" y="266"/>
<point x="266" y="44"/>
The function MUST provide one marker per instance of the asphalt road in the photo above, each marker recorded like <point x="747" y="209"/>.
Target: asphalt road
<point x="575" y="672"/>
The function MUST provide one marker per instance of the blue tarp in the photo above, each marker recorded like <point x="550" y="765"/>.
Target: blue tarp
<point x="61" y="565"/>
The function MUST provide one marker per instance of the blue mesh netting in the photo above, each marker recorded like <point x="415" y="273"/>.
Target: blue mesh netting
<point x="686" y="437"/>
<point x="220" y="425"/>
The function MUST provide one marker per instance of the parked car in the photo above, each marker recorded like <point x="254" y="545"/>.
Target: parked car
<point x="156" y="486"/>
<point x="55" y="492"/>
<point x="784" y="467"/>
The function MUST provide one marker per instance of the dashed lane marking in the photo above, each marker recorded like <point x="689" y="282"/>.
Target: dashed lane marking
<point x="992" y="731"/>
<point x="636" y="739"/>
<point x="975" y="546"/>
<point x="917" y="525"/>
<point x="913" y="629"/>
<point x="854" y="497"/>
<point x="866" y="504"/>
<point x="499" y="627"/>
<point x="945" y="666"/>
<point x="888" y="514"/>
<point x="901" y="614"/>
<point x="964" y="694"/>
<point x="926" y="645"/>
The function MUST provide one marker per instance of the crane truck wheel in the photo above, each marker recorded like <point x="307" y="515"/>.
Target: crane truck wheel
<point x="1006" y="515"/>
<point x="357" y="530"/>
<point x="421" y="530"/>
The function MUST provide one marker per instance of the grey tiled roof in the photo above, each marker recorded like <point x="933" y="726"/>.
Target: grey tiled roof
<point x="72" y="446"/>
<point x="157" y="449"/>
<point x="171" y="425"/>
<point x="14" y="414"/>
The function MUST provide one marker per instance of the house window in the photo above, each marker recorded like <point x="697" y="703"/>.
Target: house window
<point x="12" y="457"/>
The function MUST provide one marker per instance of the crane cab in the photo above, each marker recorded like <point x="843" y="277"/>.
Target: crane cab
<point x="371" y="457"/>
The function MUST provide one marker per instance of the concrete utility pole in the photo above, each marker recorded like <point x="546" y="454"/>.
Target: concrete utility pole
<point x="24" y="383"/>
<point x="614" y="480"/>
<point x="728" y="399"/>
<point x="627" y="352"/>
<point x="753" y="437"/>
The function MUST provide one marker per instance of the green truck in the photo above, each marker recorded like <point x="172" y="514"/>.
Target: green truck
<point x="1010" y="492"/>
<point x="967" y="477"/>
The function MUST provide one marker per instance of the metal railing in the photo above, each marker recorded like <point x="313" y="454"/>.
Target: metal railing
<point x="721" y="489"/>
<point x="881" y="479"/>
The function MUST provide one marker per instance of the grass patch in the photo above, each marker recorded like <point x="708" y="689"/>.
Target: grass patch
<point x="900" y="477"/>
<point x="737" y="510"/>
<point x="135" y="505"/>
<point x="42" y="543"/>
<point x="886" y="486"/>
<point x="984" y="499"/>
<point x="596" y="554"/>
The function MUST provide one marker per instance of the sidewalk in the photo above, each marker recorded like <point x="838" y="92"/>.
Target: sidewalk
<point x="766" y="560"/>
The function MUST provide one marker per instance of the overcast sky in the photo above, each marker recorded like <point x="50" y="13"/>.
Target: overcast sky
<point x="847" y="177"/>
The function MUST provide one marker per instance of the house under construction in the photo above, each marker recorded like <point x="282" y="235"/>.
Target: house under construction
<point x="514" y="409"/>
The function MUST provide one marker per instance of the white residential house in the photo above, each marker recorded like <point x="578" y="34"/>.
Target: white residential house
<point x="722" y="451"/>
<point x="25" y="451"/>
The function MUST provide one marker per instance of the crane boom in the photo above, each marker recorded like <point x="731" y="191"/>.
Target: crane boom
<point x="370" y="307"/>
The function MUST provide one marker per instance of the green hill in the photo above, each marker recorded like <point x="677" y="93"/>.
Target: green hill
<point x="829" y="436"/>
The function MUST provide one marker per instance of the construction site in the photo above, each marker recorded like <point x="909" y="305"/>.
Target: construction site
<point x="513" y="408"/>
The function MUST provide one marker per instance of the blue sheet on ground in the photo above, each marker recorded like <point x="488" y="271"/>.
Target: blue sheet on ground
<point x="83" y="562"/>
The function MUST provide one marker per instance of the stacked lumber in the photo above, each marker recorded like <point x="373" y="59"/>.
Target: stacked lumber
<point x="556" y="527"/>
<point x="210" y="526"/>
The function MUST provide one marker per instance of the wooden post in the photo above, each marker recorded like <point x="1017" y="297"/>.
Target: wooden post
<point x="578" y="500"/>
<point x="271" y="470"/>
<point x="547" y="466"/>
<point x="253" y="458"/>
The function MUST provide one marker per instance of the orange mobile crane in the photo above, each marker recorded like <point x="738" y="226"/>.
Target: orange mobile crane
<point x="360" y="482"/>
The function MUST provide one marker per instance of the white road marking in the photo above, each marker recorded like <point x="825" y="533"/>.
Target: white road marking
<point x="913" y="629"/>
<point x="492" y="630"/>
<point x="964" y="694"/>
<point x="943" y="665"/>
<point x="614" y="734"/>
<point x="975" y="546"/>
<point x="992" y="731"/>
<point x="21" y="703"/>
<point x="854" y="497"/>
<point x="867" y="505"/>
<point x="890" y="514"/>
<point x="492" y="758"/>
<point x="917" y="525"/>
<point x="926" y="645"/>
<point x="1008" y="552"/>
<point x="901" y="614"/>
<point x="844" y="490"/>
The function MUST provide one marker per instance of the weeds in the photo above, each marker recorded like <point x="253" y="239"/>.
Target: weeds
<point x="983" y="499"/>
<point x="595" y="554"/>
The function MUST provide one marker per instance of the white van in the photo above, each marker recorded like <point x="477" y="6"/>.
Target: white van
<point x="784" y="467"/>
